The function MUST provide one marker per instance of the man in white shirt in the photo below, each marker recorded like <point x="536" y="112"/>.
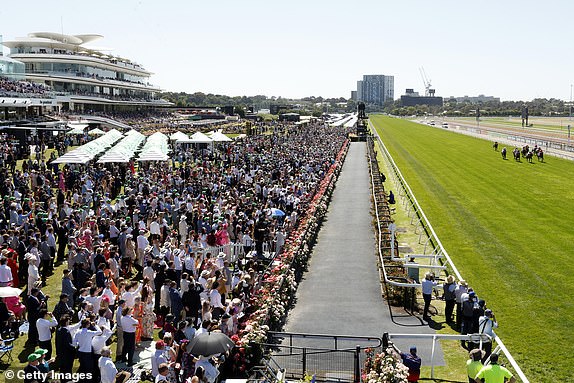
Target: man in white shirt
<point x="164" y="300"/>
<point x="5" y="273"/>
<point x="486" y="325"/>
<point x="99" y="341"/>
<point x="142" y="243"/>
<point x="154" y="228"/>
<point x="83" y="342"/>
<point x="130" y="295"/>
<point x="158" y="357"/>
<point x="129" y="325"/>
<point x="119" y="330"/>
<point x="94" y="298"/>
<point x="108" y="371"/>
<point x="215" y="300"/>
<point x="43" y="324"/>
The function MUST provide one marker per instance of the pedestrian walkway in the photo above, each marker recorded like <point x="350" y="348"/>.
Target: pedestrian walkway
<point x="341" y="292"/>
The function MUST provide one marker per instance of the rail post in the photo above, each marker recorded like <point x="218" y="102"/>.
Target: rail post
<point x="304" y="363"/>
<point x="357" y="375"/>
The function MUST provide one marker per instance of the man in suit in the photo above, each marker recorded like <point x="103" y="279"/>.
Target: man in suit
<point x="65" y="350"/>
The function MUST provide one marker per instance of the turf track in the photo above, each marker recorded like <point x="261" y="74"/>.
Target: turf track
<point x="507" y="227"/>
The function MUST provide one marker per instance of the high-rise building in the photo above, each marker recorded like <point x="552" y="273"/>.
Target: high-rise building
<point x="376" y="89"/>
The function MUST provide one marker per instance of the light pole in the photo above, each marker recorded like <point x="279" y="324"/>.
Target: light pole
<point x="570" y="107"/>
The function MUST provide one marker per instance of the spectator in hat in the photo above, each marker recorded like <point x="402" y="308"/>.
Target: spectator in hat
<point x="119" y="330"/>
<point x="486" y="325"/>
<point x="32" y="369"/>
<point x="65" y="350"/>
<point x="33" y="306"/>
<point x="474" y="364"/>
<point x="43" y="360"/>
<point x="494" y="373"/>
<point x="62" y="307"/>
<point x="449" y="298"/>
<point x="108" y="371"/>
<point x="158" y="357"/>
<point x="461" y="288"/>
<point x="413" y="363"/>
<point x="68" y="287"/>
<point x="427" y="285"/>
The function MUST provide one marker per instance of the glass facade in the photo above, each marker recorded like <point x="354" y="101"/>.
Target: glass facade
<point x="81" y="70"/>
<point x="11" y="68"/>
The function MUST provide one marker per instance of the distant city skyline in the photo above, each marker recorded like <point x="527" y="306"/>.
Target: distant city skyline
<point x="512" y="50"/>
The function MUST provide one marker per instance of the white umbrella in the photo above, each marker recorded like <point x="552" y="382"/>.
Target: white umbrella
<point x="6" y="292"/>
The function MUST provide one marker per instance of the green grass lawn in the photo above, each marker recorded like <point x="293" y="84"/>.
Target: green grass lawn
<point x="506" y="225"/>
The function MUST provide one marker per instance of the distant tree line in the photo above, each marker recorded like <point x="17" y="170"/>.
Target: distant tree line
<point x="306" y="106"/>
<point x="537" y="107"/>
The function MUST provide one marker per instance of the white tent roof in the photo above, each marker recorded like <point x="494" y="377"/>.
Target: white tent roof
<point x="96" y="132"/>
<point x="77" y="130"/>
<point x="200" y="138"/>
<point x="155" y="148"/>
<point x="89" y="151"/>
<point x="177" y="136"/>
<point x="125" y="149"/>
<point x="220" y="137"/>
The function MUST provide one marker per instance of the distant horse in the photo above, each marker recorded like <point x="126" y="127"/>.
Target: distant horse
<point x="529" y="156"/>
<point x="503" y="153"/>
<point x="495" y="146"/>
<point x="516" y="154"/>
<point x="525" y="150"/>
<point x="540" y="155"/>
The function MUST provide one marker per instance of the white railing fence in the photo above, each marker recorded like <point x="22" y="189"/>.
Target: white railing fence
<point x="415" y="212"/>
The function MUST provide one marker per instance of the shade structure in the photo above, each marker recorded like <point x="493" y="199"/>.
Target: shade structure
<point x="210" y="343"/>
<point x="153" y="156"/>
<point x="155" y="148"/>
<point x="200" y="138"/>
<point x="6" y="292"/>
<point x="76" y="131"/>
<point x="178" y="136"/>
<point x="219" y="137"/>
<point x="89" y="151"/>
<point x="124" y="150"/>
<point x="96" y="132"/>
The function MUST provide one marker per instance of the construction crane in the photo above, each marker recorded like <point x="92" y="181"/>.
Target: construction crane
<point x="429" y="92"/>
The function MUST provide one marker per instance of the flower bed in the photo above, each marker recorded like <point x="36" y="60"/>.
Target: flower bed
<point x="385" y="367"/>
<point x="279" y="283"/>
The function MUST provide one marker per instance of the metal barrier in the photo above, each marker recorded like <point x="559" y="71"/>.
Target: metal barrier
<point x="326" y="357"/>
<point x="413" y="207"/>
<point x="337" y="357"/>
<point x="232" y="251"/>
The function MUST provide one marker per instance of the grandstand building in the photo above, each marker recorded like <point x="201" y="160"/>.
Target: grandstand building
<point x="81" y="78"/>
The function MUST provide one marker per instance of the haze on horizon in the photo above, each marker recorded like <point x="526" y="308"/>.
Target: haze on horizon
<point x="515" y="50"/>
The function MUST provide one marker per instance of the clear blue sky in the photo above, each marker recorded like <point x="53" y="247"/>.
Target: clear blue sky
<point x="516" y="50"/>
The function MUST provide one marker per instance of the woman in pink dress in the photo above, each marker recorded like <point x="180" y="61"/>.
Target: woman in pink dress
<point x="15" y="305"/>
<point x="222" y="236"/>
<point x="61" y="182"/>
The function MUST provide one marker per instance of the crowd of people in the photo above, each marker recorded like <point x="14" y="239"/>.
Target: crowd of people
<point x="176" y="246"/>
<point x="10" y="87"/>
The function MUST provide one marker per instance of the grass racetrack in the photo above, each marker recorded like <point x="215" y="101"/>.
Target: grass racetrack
<point x="508" y="228"/>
